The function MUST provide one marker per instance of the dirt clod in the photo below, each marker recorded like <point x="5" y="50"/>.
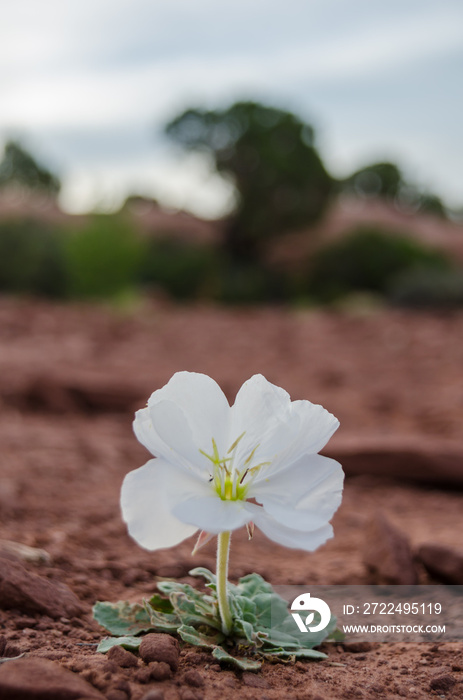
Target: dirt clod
<point x="160" y="647"/>
<point x="160" y="671"/>
<point x="443" y="683"/>
<point x="194" y="679"/>
<point x="122" y="657"/>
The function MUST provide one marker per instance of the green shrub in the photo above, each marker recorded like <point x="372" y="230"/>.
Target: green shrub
<point x="103" y="260"/>
<point x="184" y="270"/>
<point x="367" y="259"/>
<point x="424" y="288"/>
<point x="31" y="258"/>
<point x="187" y="271"/>
<point x="242" y="283"/>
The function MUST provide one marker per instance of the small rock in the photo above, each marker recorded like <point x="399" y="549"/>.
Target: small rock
<point x="160" y="671"/>
<point x="193" y="678"/>
<point x="38" y="679"/>
<point x="28" y="592"/>
<point x="154" y="694"/>
<point x="443" y="683"/>
<point x="254" y="681"/>
<point x="388" y="554"/>
<point x="444" y="563"/>
<point x="143" y="675"/>
<point x="160" y="647"/>
<point x="122" y="657"/>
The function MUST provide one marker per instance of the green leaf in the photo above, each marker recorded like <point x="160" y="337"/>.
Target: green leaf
<point x="276" y="638"/>
<point x="162" y="622"/>
<point x="205" y="573"/>
<point x="194" y="612"/>
<point x="252" y="584"/>
<point x="243" y="629"/>
<point x="296" y="654"/>
<point x="130" y="643"/>
<point x="200" y="639"/>
<point x="242" y="663"/>
<point x="122" y="618"/>
<point x="243" y="608"/>
<point x="161" y="604"/>
<point x="262" y="624"/>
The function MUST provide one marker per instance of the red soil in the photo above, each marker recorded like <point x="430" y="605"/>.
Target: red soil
<point x="65" y="453"/>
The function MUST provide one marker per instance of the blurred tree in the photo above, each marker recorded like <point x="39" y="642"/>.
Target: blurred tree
<point x="378" y="179"/>
<point x="386" y="180"/>
<point x="18" y="167"/>
<point x="269" y="155"/>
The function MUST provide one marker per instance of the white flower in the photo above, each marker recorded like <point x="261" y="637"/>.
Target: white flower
<point x="218" y="467"/>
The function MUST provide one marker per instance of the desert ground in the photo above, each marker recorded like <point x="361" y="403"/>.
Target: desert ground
<point x="71" y="377"/>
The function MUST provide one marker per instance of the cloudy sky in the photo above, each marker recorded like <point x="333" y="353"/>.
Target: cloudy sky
<point x="88" y="85"/>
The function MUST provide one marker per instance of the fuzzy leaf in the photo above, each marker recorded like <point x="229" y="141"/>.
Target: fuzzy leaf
<point x="297" y="654"/>
<point x="262" y="624"/>
<point x="162" y="622"/>
<point x="163" y="605"/>
<point x="122" y="618"/>
<point x="205" y="573"/>
<point x="199" y="639"/>
<point x="243" y="629"/>
<point x="193" y="613"/>
<point x="130" y="643"/>
<point x="252" y="584"/>
<point x="242" y="663"/>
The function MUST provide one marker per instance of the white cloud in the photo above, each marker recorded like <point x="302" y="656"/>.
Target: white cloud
<point x="187" y="185"/>
<point x="67" y="68"/>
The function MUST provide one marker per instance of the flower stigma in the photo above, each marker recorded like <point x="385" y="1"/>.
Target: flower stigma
<point x="229" y="482"/>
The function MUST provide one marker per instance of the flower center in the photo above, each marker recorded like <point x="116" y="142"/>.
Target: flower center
<point x="232" y="482"/>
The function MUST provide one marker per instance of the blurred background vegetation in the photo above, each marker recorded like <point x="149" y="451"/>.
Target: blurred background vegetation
<point x="277" y="244"/>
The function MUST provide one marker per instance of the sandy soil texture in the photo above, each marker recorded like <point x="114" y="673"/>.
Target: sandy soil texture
<point x="70" y="377"/>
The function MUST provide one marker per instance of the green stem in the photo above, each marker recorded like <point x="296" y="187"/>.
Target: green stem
<point x="223" y="546"/>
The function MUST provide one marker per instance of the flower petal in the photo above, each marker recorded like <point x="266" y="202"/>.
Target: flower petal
<point x="288" y="537"/>
<point x="303" y="496"/>
<point x="182" y="452"/>
<point x="316" y="426"/>
<point x="203" y="404"/>
<point x="262" y="411"/>
<point x="146" y="509"/>
<point x="282" y="429"/>
<point x="212" y="514"/>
